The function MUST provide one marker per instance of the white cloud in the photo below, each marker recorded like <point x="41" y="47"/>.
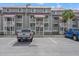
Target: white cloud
<point x="59" y="6"/>
<point x="40" y="3"/>
<point x="52" y="6"/>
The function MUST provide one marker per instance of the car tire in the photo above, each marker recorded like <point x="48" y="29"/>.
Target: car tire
<point x="31" y="39"/>
<point x="19" y="40"/>
<point x="65" y="36"/>
<point x="75" y="38"/>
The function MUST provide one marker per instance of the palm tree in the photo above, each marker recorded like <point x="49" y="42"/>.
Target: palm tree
<point x="68" y="16"/>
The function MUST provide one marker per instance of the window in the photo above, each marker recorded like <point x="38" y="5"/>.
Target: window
<point x="12" y="28"/>
<point x="46" y="17"/>
<point x="37" y="28"/>
<point x="46" y="26"/>
<point x="46" y="10"/>
<point x="41" y="28"/>
<point x="61" y="28"/>
<point x="56" y="18"/>
<point x="39" y="10"/>
<point x="5" y="28"/>
<point x="53" y="12"/>
<point x="19" y="9"/>
<point x="9" y="19"/>
<point x="59" y="12"/>
<point x="0" y="11"/>
<point x="26" y="30"/>
<point x="8" y="28"/>
<point x="32" y="16"/>
<point x="18" y="24"/>
<point x="74" y="25"/>
<point x="29" y="10"/>
<point x="24" y="10"/>
<point x="7" y="9"/>
<point x="32" y="25"/>
<point x="32" y="10"/>
<point x="55" y="25"/>
<point x="19" y="16"/>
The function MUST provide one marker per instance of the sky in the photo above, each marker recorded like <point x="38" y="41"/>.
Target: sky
<point x="63" y="5"/>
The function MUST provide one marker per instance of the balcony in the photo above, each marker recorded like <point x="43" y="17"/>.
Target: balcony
<point x="56" y="13"/>
<point x="55" y="22"/>
<point x="39" y="24"/>
<point x="19" y="20"/>
<point x="32" y="20"/>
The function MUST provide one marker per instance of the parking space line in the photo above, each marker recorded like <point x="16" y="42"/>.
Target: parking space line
<point x="52" y="40"/>
<point x="11" y="42"/>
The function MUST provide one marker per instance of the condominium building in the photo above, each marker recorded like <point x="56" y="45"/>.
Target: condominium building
<point x="41" y="20"/>
<point x="37" y="19"/>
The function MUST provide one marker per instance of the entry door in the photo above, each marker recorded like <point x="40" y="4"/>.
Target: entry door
<point x="10" y="25"/>
<point x="39" y="31"/>
<point x="39" y="26"/>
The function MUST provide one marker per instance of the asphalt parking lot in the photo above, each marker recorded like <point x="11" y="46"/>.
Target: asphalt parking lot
<point x="43" y="46"/>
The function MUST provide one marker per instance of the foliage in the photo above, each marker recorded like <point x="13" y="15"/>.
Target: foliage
<point x="67" y="14"/>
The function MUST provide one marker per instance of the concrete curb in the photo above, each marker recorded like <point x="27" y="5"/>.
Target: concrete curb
<point x="47" y="36"/>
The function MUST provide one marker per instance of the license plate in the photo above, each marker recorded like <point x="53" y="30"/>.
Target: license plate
<point x="23" y="37"/>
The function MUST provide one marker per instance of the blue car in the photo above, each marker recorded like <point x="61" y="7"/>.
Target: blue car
<point x="72" y="33"/>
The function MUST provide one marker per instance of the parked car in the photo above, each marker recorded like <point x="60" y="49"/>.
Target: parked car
<point x="24" y="35"/>
<point x="72" y="33"/>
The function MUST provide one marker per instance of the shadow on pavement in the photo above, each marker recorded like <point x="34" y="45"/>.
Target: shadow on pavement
<point x="24" y="44"/>
<point x="21" y="44"/>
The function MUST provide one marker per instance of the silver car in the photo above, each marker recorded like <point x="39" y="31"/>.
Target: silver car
<point x="25" y="35"/>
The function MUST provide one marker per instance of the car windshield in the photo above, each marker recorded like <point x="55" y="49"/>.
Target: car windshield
<point x="18" y="31"/>
<point x="75" y="29"/>
<point x="25" y="30"/>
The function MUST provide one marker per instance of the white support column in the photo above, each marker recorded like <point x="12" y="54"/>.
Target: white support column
<point x="43" y="26"/>
<point x="6" y="27"/>
<point x="48" y="22"/>
<point x="29" y="21"/>
<point x="51" y="24"/>
<point x="10" y="26"/>
<point x="35" y="25"/>
<point x="14" y="25"/>
<point x="3" y="25"/>
<point x="22" y="21"/>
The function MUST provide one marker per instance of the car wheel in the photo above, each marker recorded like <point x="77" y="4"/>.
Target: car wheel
<point x="31" y="39"/>
<point x="75" y="38"/>
<point x="19" y="40"/>
<point x="65" y="36"/>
